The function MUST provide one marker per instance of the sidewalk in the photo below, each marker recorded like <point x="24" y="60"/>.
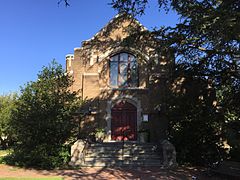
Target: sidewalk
<point x="109" y="173"/>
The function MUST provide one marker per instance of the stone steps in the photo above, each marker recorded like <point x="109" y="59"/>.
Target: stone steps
<point x="119" y="151"/>
<point x="140" y="156"/>
<point x="127" y="158"/>
<point x="117" y="154"/>
<point x="121" y="164"/>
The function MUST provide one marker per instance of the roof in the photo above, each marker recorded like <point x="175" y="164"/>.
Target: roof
<point x="118" y="17"/>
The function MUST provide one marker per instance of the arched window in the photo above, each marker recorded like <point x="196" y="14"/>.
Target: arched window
<point x="123" y="70"/>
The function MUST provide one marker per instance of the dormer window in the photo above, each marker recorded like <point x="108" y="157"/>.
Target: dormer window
<point x="123" y="70"/>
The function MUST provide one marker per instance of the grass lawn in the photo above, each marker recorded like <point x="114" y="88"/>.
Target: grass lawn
<point x="50" y="178"/>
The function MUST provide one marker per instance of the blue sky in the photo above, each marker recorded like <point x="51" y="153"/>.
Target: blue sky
<point x="33" y="32"/>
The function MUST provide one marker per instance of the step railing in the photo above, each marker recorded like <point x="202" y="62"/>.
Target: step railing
<point x="125" y="135"/>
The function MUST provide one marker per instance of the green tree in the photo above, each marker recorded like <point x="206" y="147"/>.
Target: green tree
<point x="228" y="97"/>
<point x="206" y="42"/>
<point x="7" y="105"/>
<point x="195" y="120"/>
<point x="43" y="122"/>
<point x="207" y="30"/>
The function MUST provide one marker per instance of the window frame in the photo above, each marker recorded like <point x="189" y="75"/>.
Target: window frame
<point x="118" y="62"/>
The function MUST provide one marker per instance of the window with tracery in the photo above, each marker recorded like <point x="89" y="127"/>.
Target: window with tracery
<point x="123" y="70"/>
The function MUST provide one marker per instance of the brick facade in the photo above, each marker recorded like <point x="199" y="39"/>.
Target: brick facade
<point x="90" y="69"/>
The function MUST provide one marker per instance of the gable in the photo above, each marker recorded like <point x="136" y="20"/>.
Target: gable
<point x="120" y="27"/>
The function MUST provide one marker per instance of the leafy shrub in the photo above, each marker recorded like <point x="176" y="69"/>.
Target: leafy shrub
<point x="43" y="121"/>
<point x="196" y="125"/>
<point x="7" y="105"/>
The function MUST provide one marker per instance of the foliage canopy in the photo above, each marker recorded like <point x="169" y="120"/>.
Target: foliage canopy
<point x="43" y="122"/>
<point x="7" y="105"/>
<point x="204" y="114"/>
<point x="206" y="43"/>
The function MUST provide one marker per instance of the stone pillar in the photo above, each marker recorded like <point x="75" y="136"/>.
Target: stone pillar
<point x="169" y="154"/>
<point x="77" y="153"/>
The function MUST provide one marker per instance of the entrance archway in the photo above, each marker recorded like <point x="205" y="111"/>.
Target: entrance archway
<point x="124" y="121"/>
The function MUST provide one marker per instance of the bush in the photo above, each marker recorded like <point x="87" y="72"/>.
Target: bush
<point x="42" y="156"/>
<point x="196" y="125"/>
<point x="43" y="121"/>
<point x="7" y="105"/>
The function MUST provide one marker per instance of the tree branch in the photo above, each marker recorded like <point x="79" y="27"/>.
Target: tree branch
<point x="66" y="2"/>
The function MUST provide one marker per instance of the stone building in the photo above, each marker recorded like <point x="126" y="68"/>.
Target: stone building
<point x="122" y="74"/>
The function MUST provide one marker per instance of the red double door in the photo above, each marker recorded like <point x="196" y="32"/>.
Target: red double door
<point x="124" y="122"/>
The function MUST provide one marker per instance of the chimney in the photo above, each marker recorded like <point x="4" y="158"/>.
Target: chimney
<point x="69" y="60"/>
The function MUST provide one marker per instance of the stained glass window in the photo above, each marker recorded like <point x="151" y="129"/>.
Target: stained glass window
<point x="123" y="70"/>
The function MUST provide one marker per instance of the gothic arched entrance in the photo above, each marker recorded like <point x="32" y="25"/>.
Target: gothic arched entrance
<point x="124" y="121"/>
